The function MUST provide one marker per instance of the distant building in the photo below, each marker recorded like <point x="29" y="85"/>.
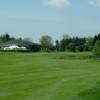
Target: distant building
<point x="14" y="47"/>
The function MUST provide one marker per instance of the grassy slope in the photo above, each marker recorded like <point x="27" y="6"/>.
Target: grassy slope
<point x="44" y="76"/>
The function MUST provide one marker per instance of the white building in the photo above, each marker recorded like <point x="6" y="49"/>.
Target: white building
<point x="14" y="47"/>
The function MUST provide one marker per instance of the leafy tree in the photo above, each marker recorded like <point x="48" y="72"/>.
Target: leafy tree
<point x="46" y="42"/>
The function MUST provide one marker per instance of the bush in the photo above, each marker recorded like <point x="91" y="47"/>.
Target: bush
<point x="97" y="48"/>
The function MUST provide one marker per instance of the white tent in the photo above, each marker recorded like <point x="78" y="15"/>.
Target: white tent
<point x="14" y="47"/>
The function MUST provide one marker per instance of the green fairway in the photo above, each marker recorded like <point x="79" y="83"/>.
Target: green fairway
<point x="48" y="76"/>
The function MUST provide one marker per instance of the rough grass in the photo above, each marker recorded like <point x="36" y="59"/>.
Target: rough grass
<point x="43" y="76"/>
<point x="89" y="94"/>
<point x="70" y="55"/>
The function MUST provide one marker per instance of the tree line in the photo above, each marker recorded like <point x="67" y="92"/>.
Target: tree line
<point x="67" y="43"/>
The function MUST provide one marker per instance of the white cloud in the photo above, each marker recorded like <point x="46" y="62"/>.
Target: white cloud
<point x="95" y="3"/>
<point x="57" y="3"/>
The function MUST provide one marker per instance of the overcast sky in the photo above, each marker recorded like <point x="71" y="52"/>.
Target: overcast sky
<point x="33" y="18"/>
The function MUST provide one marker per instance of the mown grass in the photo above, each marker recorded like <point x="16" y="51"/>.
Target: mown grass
<point x="47" y="76"/>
